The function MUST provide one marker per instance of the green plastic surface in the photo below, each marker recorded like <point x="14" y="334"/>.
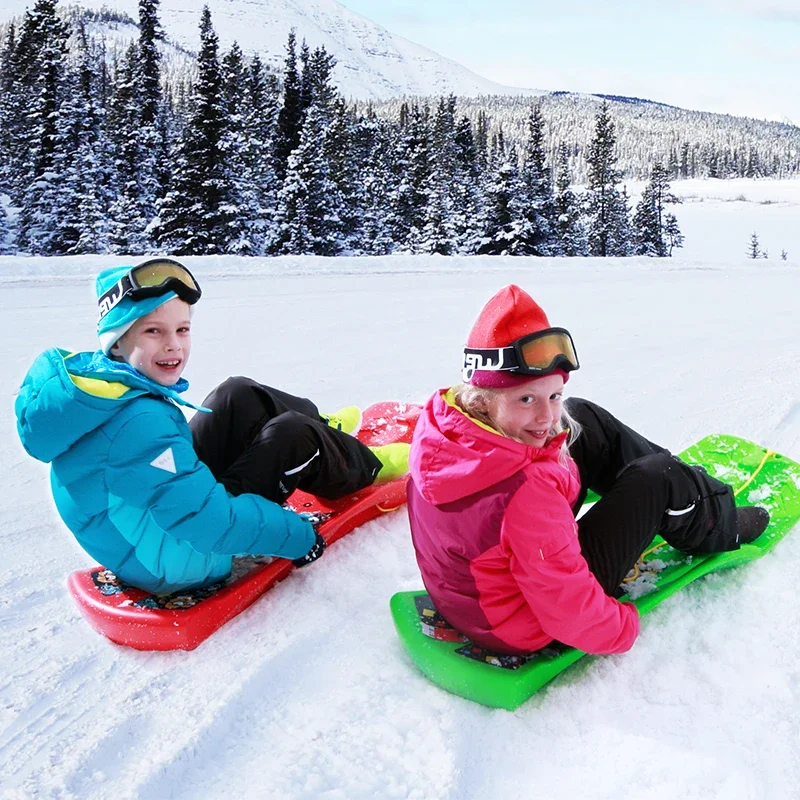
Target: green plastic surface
<point x="774" y="485"/>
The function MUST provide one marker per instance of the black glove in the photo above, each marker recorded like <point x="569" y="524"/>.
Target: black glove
<point x="317" y="549"/>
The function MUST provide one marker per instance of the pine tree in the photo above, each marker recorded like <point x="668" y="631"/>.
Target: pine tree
<point x="684" y="166"/>
<point x="608" y="228"/>
<point x="649" y="221"/>
<point x="260" y="117"/>
<point x="411" y="168"/>
<point x="570" y="232"/>
<point x="306" y="221"/>
<point x="754" y="248"/>
<point x="153" y="141"/>
<point x="306" y="91"/>
<point x="482" y="140"/>
<point x="318" y="80"/>
<point x="130" y="212"/>
<point x="378" y="187"/>
<point x="306" y="94"/>
<point x="194" y="214"/>
<point x="169" y="129"/>
<point x="80" y="153"/>
<point x="242" y="210"/>
<point x="503" y="221"/>
<point x="6" y="244"/>
<point x="149" y="62"/>
<point x="9" y="119"/>
<point x="672" y="233"/>
<point x="467" y="196"/>
<point x="39" y="63"/>
<point x="648" y="233"/>
<point x="290" y="116"/>
<point x="496" y="152"/>
<point x="536" y="192"/>
<point x="622" y="229"/>
<point x="673" y="165"/>
<point x="32" y="69"/>
<point x="438" y="233"/>
<point x="140" y="138"/>
<point x="348" y="145"/>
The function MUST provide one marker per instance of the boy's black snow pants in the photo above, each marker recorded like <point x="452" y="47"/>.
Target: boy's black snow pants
<point x="644" y="490"/>
<point x="263" y="441"/>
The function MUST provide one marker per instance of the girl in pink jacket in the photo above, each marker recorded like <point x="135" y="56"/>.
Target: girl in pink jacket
<point x="500" y="466"/>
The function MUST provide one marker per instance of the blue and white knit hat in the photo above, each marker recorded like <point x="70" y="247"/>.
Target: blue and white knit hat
<point x="113" y="325"/>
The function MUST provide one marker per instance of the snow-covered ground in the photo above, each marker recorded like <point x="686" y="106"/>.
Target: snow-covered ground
<point x="717" y="217"/>
<point x="308" y="694"/>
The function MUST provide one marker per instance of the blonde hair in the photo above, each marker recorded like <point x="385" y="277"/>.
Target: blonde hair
<point x="474" y="400"/>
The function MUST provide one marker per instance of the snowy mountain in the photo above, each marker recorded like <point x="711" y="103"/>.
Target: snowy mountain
<point x="372" y="62"/>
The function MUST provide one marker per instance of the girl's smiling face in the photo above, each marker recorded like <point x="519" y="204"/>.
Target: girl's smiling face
<point x="159" y="344"/>
<point x="529" y="411"/>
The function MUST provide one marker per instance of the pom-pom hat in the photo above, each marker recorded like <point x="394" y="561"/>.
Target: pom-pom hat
<point x="512" y="341"/>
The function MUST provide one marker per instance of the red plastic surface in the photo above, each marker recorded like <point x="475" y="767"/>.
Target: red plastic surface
<point x="116" y="616"/>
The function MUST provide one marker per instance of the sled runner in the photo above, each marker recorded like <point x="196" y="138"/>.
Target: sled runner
<point x="758" y="476"/>
<point x="182" y="620"/>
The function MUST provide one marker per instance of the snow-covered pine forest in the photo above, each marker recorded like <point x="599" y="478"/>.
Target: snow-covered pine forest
<point x="122" y="155"/>
<point x="690" y="144"/>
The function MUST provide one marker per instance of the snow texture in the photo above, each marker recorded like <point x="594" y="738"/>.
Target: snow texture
<point x="309" y="694"/>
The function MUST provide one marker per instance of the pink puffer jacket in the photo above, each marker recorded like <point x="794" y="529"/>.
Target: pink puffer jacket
<point x="497" y="543"/>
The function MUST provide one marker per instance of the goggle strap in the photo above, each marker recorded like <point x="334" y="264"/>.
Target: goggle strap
<point x="489" y="359"/>
<point x="114" y="295"/>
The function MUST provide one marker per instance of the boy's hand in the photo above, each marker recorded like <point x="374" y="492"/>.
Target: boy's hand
<point x="317" y="549"/>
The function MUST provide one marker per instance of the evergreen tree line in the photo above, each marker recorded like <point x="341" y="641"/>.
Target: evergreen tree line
<point x="99" y="159"/>
<point x="690" y="144"/>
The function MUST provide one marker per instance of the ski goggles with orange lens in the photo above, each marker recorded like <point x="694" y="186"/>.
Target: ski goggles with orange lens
<point x="152" y="279"/>
<point x="536" y="355"/>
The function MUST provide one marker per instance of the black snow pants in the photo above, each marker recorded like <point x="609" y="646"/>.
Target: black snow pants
<point x="263" y="441"/>
<point x="644" y="490"/>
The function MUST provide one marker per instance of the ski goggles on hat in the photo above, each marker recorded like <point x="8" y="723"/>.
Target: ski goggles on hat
<point x="152" y="279"/>
<point x="536" y="355"/>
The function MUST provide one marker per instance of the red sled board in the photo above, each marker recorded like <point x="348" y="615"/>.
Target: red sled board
<point x="182" y="620"/>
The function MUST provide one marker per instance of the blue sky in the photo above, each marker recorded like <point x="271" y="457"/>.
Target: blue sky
<point x="734" y="56"/>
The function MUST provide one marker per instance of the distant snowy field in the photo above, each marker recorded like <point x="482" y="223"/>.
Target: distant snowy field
<point x="717" y="217"/>
<point x="308" y="694"/>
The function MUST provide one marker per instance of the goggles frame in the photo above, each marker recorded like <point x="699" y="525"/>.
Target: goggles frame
<point x="512" y="359"/>
<point x="129" y="286"/>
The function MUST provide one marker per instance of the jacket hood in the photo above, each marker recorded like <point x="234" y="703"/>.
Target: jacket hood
<point x="454" y="455"/>
<point x="66" y="395"/>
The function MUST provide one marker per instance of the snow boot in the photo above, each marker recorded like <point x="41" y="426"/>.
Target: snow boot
<point x="346" y="420"/>
<point x="394" y="458"/>
<point x="752" y="521"/>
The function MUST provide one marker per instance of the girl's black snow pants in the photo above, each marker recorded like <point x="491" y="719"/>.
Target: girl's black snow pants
<point x="644" y="490"/>
<point x="263" y="441"/>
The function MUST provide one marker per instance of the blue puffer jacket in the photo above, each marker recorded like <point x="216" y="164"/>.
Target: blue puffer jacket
<point x="127" y="482"/>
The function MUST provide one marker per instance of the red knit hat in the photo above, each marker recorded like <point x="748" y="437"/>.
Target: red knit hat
<point x="511" y="314"/>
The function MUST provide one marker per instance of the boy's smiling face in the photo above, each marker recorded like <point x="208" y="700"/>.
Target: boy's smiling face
<point x="159" y="344"/>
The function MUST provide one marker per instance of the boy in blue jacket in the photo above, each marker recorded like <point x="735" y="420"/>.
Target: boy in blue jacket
<point x="163" y="510"/>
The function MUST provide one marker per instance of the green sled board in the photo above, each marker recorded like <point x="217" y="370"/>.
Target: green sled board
<point x="758" y="477"/>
